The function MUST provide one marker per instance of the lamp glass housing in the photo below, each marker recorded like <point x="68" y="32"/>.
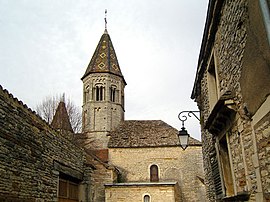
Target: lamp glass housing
<point x="183" y="137"/>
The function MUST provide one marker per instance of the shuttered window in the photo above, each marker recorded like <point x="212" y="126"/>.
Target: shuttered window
<point x="68" y="190"/>
<point x="225" y="166"/>
<point x="73" y="190"/>
<point x="216" y="176"/>
<point x="221" y="169"/>
<point x="63" y="188"/>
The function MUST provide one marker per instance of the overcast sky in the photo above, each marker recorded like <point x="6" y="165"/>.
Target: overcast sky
<point x="46" y="45"/>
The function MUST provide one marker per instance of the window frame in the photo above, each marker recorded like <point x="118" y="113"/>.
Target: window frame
<point x="213" y="81"/>
<point x="225" y="164"/>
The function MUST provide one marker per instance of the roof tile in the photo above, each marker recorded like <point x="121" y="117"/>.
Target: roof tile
<point x="147" y="133"/>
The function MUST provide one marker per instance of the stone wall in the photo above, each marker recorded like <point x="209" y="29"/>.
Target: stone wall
<point x="136" y="192"/>
<point x="262" y="132"/>
<point x="31" y="154"/>
<point x="102" y="174"/>
<point x="174" y="164"/>
<point x="237" y="42"/>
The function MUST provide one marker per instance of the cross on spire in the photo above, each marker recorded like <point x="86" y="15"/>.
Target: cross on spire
<point x="105" y="19"/>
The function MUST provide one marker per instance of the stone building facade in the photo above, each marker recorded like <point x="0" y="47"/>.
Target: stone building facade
<point x="112" y="160"/>
<point x="159" y="192"/>
<point x="134" y="147"/>
<point x="232" y="89"/>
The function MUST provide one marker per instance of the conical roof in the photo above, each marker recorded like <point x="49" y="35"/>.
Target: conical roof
<point x="104" y="59"/>
<point x="61" y="118"/>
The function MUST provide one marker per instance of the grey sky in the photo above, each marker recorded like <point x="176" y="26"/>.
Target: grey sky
<point x="46" y="46"/>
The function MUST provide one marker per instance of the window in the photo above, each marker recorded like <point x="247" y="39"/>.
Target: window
<point x="225" y="166"/>
<point x="146" y="198"/>
<point x="68" y="189"/>
<point x="221" y="168"/>
<point x="154" y="173"/>
<point x="212" y="81"/>
<point x="112" y="93"/>
<point x="99" y="92"/>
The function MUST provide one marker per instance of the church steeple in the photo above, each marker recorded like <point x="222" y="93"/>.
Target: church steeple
<point x="103" y="94"/>
<point x="104" y="59"/>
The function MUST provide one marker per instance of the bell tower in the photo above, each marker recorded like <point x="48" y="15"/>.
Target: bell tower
<point x="103" y="94"/>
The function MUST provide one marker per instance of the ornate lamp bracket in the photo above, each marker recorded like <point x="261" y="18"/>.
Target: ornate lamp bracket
<point x="183" y="135"/>
<point x="183" y="116"/>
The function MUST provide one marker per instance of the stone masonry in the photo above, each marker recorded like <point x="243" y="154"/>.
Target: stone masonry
<point x="235" y="40"/>
<point x="175" y="165"/>
<point x="30" y="152"/>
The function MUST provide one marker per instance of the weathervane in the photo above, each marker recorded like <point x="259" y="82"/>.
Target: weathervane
<point x="105" y="19"/>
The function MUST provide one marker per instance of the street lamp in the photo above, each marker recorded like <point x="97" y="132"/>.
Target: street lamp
<point x="183" y="135"/>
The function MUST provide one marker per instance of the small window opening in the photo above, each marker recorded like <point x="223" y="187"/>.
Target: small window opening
<point x="146" y="198"/>
<point x="112" y="94"/>
<point x="154" y="173"/>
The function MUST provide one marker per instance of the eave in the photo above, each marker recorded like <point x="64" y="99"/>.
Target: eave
<point x="210" y="29"/>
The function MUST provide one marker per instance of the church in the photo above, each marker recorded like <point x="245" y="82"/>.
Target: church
<point x="147" y="153"/>
<point x="112" y="160"/>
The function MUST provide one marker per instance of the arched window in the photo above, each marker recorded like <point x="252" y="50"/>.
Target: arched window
<point x="154" y="173"/>
<point x="100" y="90"/>
<point x="113" y="94"/>
<point x="146" y="198"/>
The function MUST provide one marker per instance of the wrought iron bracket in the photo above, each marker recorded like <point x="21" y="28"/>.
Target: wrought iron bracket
<point x="183" y="116"/>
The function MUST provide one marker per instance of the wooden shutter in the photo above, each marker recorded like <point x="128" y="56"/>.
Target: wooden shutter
<point x="73" y="190"/>
<point x="68" y="191"/>
<point x="63" y="192"/>
<point x="216" y="176"/>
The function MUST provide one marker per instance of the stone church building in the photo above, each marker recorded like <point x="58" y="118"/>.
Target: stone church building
<point x="112" y="160"/>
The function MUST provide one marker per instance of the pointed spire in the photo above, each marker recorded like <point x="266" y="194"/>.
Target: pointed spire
<point x="104" y="59"/>
<point x="61" y="118"/>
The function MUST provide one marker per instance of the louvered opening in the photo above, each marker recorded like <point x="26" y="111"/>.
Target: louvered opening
<point x="216" y="176"/>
